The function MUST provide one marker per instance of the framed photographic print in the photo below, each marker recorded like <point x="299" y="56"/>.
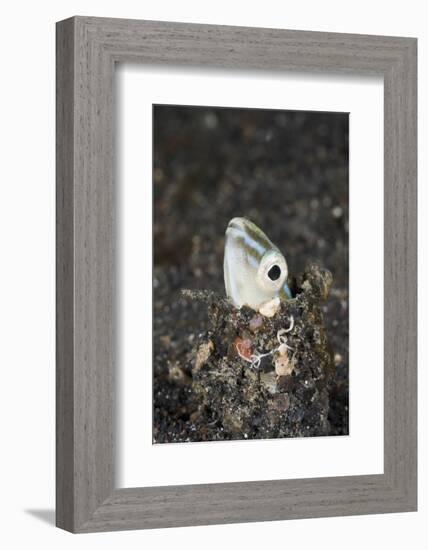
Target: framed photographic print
<point x="236" y="274"/>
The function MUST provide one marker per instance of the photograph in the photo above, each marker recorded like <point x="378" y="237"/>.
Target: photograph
<point x="236" y="268"/>
<point x="250" y="273"/>
<point x="210" y="330"/>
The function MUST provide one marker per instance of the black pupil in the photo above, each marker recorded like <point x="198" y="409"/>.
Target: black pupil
<point x="274" y="273"/>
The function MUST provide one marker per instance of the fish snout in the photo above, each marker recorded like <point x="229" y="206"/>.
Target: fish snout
<point x="237" y="223"/>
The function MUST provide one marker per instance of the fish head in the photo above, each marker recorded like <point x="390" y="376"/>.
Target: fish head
<point x="255" y="271"/>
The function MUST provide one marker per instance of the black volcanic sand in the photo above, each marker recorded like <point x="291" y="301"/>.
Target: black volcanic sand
<point x="288" y="173"/>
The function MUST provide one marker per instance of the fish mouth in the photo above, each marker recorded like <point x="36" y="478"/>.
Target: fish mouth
<point x="239" y="224"/>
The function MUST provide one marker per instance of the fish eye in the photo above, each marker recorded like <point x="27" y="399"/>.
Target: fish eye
<point x="274" y="273"/>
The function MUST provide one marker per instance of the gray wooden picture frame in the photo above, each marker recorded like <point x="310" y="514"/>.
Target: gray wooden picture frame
<point x="87" y="51"/>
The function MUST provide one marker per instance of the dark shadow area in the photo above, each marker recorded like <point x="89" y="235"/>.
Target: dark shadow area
<point x="47" y="515"/>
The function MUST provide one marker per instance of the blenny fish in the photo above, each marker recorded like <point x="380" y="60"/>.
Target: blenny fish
<point x="255" y="271"/>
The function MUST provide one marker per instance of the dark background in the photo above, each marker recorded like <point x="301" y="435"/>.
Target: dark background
<point x="287" y="171"/>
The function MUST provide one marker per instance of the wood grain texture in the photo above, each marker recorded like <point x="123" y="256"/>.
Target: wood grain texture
<point x="64" y="277"/>
<point x="87" y="50"/>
